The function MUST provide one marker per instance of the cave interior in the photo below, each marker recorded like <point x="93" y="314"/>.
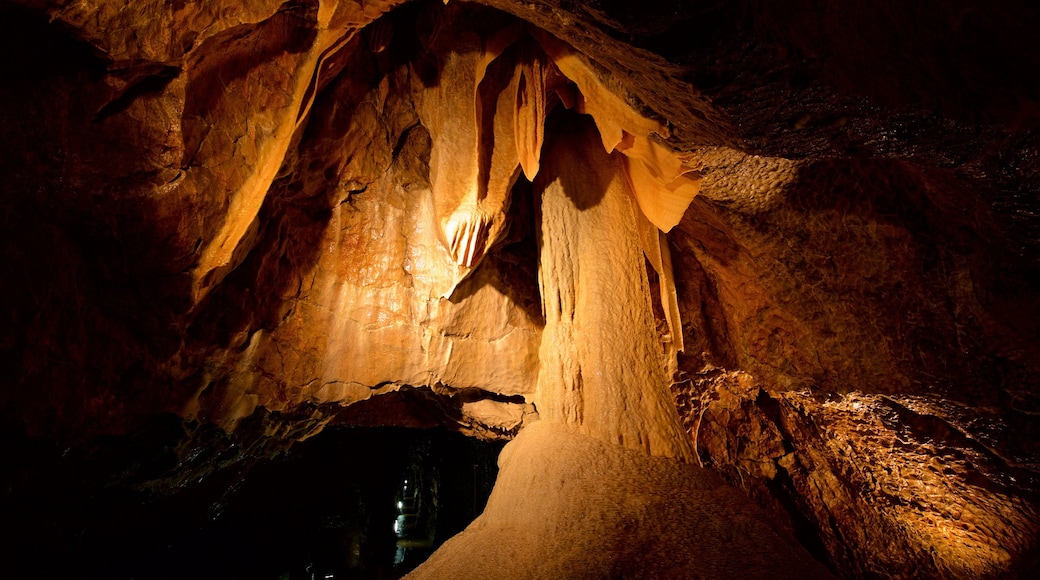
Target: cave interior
<point x="543" y="289"/>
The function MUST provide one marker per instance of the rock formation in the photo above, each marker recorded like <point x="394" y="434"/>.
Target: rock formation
<point x="570" y="506"/>
<point x="797" y="246"/>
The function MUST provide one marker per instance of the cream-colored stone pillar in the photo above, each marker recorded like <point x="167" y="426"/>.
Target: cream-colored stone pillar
<point x="603" y="365"/>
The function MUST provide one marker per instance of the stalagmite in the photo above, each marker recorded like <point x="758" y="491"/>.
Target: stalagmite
<point x="571" y="506"/>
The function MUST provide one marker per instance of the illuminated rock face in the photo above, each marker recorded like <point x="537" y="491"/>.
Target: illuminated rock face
<point x="602" y="368"/>
<point x="396" y="290"/>
<point x="571" y="506"/>
<point x="272" y="216"/>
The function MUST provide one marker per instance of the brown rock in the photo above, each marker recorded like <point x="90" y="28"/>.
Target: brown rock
<point x="270" y="216"/>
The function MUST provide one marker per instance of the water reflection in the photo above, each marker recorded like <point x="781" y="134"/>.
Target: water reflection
<point x="415" y="524"/>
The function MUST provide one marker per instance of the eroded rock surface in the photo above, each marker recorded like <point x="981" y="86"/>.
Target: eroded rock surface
<point x="264" y="217"/>
<point x="571" y="506"/>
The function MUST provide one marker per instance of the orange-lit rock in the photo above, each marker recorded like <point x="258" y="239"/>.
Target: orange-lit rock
<point x="379" y="305"/>
<point x="817" y="227"/>
<point x="602" y="368"/>
<point x="571" y="506"/>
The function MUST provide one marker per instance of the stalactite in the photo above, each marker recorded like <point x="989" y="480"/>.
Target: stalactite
<point x="530" y="111"/>
<point x="477" y="151"/>
<point x="471" y="168"/>
<point x="655" y="246"/>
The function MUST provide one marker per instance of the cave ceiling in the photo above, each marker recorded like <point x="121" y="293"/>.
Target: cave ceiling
<point x="797" y="244"/>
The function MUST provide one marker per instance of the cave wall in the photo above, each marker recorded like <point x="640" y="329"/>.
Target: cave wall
<point x="231" y="222"/>
<point x="890" y="417"/>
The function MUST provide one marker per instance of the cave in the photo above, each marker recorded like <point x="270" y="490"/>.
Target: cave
<point x="520" y="289"/>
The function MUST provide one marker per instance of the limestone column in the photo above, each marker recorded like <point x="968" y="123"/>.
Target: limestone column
<point x="602" y="364"/>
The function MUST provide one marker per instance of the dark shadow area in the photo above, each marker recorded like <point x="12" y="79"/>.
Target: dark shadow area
<point x="428" y="408"/>
<point x="92" y="273"/>
<point x="511" y="266"/>
<point x="588" y="191"/>
<point x="333" y="506"/>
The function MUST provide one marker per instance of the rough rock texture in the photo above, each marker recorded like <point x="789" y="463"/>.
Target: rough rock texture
<point x="570" y="506"/>
<point x="602" y="369"/>
<point x="934" y="409"/>
<point x="246" y="216"/>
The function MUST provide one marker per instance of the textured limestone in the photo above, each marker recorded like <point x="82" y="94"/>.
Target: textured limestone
<point x="227" y="213"/>
<point x="908" y="480"/>
<point x="571" y="506"/>
<point x="869" y="281"/>
<point x="376" y="287"/>
<point x="602" y="368"/>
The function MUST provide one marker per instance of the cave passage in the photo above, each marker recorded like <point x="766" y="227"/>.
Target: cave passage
<point x="326" y="508"/>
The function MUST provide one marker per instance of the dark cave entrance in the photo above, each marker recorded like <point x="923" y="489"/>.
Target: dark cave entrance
<point x="354" y="503"/>
<point x="325" y="508"/>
